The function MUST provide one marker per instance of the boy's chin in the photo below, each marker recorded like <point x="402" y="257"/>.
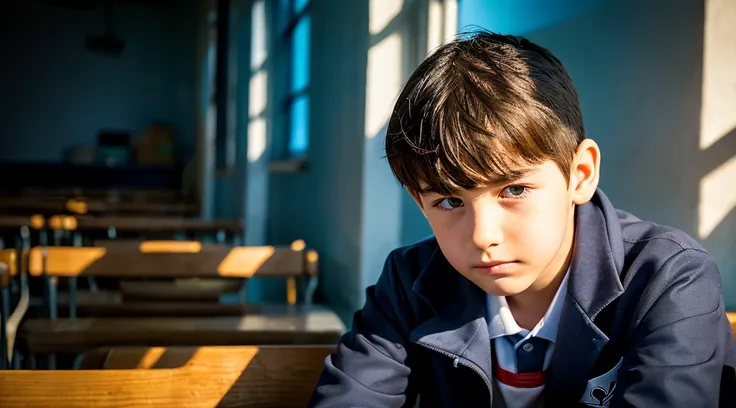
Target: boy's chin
<point x="506" y="286"/>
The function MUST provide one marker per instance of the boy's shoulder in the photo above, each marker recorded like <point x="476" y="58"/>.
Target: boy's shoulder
<point x="649" y="246"/>
<point x="638" y="232"/>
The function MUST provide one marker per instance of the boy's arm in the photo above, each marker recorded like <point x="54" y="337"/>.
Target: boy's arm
<point x="371" y="365"/>
<point x="681" y="343"/>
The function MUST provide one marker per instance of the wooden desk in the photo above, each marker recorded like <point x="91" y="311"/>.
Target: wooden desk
<point x="160" y="224"/>
<point x="57" y="205"/>
<point x="275" y="325"/>
<point x="110" y="194"/>
<point x="14" y="221"/>
<point x="244" y="377"/>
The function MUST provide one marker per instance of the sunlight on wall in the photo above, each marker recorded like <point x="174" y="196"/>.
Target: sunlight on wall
<point x="381" y="195"/>
<point x="441" y="23"/>
<point x="256" y="139"/>
<point x="718" y="115"/>
<point x="717" y="197"/>
<point x="383" y="82"/>
<point x="259" y="51"/>
<point x="258" y="97"/>
<point x="451" y="17"/>
<point x="382" y="12"/>
<point x="435" y="23"/>
<point x="256" y="119"/>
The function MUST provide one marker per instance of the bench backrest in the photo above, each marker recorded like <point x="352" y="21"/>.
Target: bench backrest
<point x="172" y="259"/>
<point x="9" y="257"/>
<point x="4" y="283"/>
<point x="242" y="376"/>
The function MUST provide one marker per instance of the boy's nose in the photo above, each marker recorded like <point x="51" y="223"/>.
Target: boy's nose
<point x="487" y="231"/>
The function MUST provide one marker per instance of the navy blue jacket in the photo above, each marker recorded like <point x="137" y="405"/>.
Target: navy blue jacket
<point x="641" y="294"/>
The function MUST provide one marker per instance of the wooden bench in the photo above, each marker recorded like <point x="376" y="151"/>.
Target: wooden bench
<point x="207" y="289"/>
<point x="160" y="224"/>
<point x="209" y="377"/>
<point x="14" y="222"/>
<point x="56" y="205"/>
<point x="272" y="325"/>
<point x="4" y="312"/>
<point x="224" y="230"/>
<point x="10" y="322"/>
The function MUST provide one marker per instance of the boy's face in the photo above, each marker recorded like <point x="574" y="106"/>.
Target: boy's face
<point x="511" y="237"/>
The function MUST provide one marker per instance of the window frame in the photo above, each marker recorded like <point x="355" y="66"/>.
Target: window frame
<point x="288" y="22"/>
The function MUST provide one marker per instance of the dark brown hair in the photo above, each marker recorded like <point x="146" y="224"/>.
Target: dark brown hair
<point x="480" y="109"/>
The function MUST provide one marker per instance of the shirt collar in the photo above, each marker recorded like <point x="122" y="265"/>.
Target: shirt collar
<point x="502" y="323"/>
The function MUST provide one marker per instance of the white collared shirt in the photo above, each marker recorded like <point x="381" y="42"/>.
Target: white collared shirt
<point x="501" y="323"/>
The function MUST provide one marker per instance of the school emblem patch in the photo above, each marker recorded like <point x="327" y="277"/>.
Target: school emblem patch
<point x="599" y="390"/>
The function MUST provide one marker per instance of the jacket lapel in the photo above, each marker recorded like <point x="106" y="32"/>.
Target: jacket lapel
<point x="594" y="283"/>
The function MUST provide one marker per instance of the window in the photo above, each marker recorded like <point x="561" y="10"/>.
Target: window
<point x="295" y="28"/>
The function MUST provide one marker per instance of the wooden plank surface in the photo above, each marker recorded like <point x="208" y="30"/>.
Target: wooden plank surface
<point x="9" y="256"/>
<point x="166" y="309"/>
<point x="179" y="290"/>
<point x="246" y="377"/>
<point x="98" y="206"/>
<point x="111" y="304"/>
<point x="14" y="221"/>
<point x="160" y="224"/>
<point x="109" y="194"/>
<point x="126" y="260"/>
<point x="274" y="325"/>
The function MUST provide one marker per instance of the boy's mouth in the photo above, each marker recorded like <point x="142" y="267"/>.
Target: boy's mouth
<point x="495" y="267"/>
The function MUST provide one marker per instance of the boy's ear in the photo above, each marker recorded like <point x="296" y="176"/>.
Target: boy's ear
<point x="585" y="171"/>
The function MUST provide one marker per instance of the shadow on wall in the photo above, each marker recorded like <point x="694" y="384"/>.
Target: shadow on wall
<point x="641" y="90"/>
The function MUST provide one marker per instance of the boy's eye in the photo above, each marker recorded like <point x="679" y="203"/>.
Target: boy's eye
<point x="513" y="191"/>
<point x="450" y="203"/>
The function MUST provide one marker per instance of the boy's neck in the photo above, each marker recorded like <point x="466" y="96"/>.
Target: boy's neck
<point x="530" y="306"/>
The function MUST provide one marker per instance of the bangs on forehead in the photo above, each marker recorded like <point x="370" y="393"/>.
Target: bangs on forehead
<point x="473" y="146"/>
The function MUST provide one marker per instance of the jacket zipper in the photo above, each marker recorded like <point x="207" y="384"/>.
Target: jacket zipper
<point x="456" y="360"/>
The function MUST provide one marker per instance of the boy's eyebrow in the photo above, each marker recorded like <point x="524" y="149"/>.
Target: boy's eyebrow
<point x="511" y="177"/>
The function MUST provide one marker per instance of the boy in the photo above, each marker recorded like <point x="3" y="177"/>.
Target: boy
<point x="534" y="290"/>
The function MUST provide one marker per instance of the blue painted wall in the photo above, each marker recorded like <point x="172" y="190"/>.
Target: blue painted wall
<point x="520" y="16"/>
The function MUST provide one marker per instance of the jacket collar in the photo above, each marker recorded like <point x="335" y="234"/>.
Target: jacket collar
<point x="459" y="325"/>
<point x="597" y="262"/>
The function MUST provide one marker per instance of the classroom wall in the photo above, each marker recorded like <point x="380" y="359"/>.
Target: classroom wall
<point x="656" y="84"/>
<point x="323" y="204"/>
<point x="348" y="205"/>
<point x="56" y="94"/>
